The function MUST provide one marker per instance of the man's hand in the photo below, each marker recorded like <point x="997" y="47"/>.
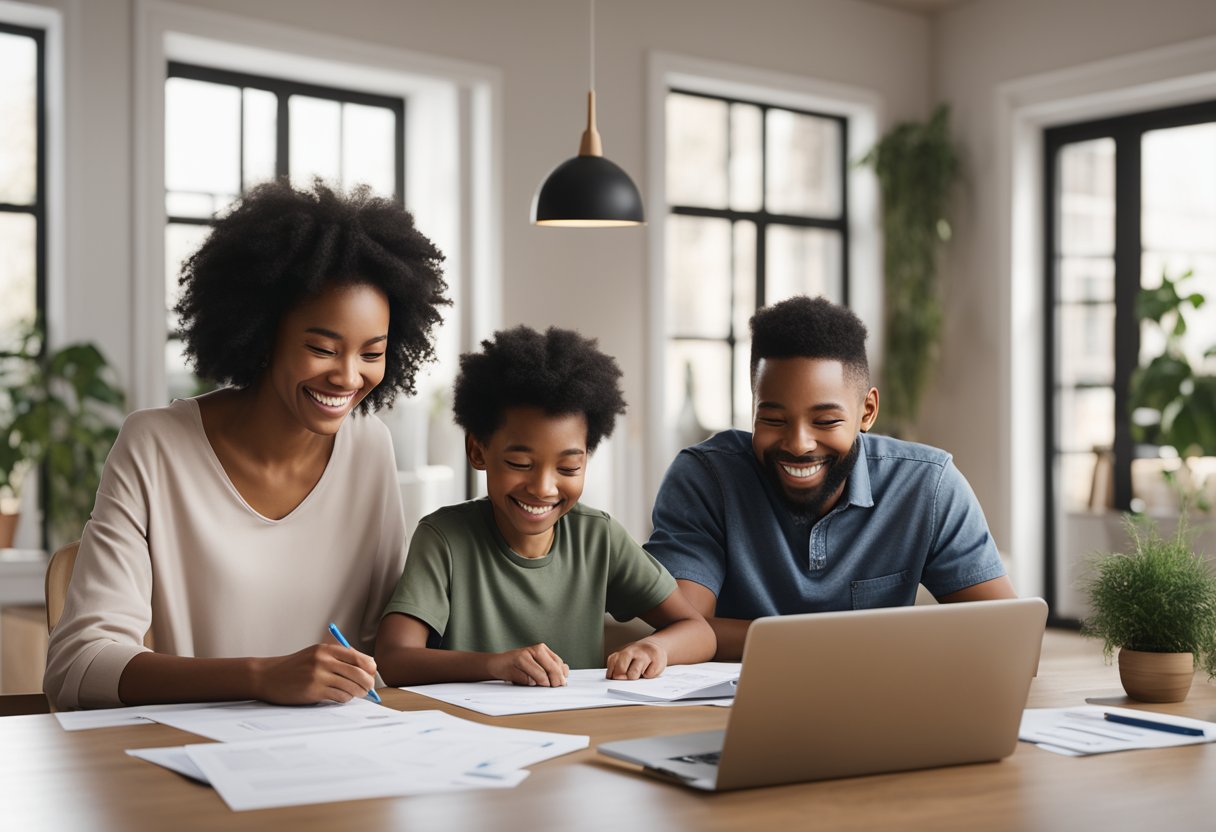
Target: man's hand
<point x="643" y="659"/>
<point x="535" y="665"/>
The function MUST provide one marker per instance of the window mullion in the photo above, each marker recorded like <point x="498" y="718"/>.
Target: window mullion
<point x="844" y="212"/>
<point x="761" y="225"/>
<point x="1127" y="287"/>
<point x="282" y="146"/>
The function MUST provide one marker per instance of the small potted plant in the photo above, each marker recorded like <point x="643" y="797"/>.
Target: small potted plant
<point x="1157" y="605"/>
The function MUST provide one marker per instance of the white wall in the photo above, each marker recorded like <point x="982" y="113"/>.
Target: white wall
<point x="594" y="281"/>
<point x="979" y="48"/>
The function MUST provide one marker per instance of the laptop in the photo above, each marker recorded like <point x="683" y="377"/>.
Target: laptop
<point x="840" y="694"/>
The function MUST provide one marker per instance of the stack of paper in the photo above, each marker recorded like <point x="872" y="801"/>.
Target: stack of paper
<point x="1089" y="729"/>
<point x="274" y="755"/>
<point x="584" y="689"/>
<point x="420" y="753"/>
<point x="673" y="687"/>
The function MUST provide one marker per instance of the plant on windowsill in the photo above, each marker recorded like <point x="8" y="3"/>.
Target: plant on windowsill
<point x="917" y="166"/>
<point x="62" y="409"/>
<point x="1173" y="405"/>
<point x="1157" y="605"/>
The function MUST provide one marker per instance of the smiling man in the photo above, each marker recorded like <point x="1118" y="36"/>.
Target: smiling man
<point x="810" y="512"/>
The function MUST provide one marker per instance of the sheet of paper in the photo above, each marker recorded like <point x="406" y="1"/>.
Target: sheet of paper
<point x="236" y="721"/>
<point x="173" y="758"/>
<point x="680" y="682"/>
<point x="1084" y="730"/>
<point x="586" y="688"/>
<point x="112" y="717"/>
<point x="428" y="751"/>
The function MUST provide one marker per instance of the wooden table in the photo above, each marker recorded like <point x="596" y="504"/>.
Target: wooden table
<point x="54" y="780"/>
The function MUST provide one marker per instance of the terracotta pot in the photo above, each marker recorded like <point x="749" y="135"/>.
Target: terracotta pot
<point x="1156" y="677"/>
<point x="8" y="529"/>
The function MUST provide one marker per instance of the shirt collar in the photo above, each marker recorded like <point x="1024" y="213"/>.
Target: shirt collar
<point x="857" y="489"/>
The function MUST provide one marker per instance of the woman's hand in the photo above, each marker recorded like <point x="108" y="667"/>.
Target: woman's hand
<point x="320" y="673"/>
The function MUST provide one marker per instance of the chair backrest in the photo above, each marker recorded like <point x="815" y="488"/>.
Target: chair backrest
<point x="58" y="576"/>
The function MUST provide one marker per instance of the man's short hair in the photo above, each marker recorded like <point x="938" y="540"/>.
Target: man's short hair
<point x="803" y="327"/>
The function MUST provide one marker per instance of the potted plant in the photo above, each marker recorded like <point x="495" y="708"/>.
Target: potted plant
<point x="59" y="412"/>
<point x="917" y="166"/>
<point x="1157" y="605"/>
<point x="1173" y="404"/>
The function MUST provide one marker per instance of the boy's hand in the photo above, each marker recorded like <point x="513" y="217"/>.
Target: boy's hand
<point x="643" y="659"/>
<point x="322" y="672"/>
<point x="535" y="665"/>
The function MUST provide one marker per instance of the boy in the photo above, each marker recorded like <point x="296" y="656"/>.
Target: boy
<point x="514" y="586"/>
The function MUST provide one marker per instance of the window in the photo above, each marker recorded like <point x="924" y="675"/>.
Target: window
<point x="757" y="204"/>
<point x="227" y="131"/>
<point x="22" y="179"/>
<point x="1129" y="199"/>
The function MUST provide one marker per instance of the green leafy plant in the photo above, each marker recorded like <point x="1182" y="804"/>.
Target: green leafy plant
<point x="1158" y="598"/>
<point x="1172" y="404"/>
<point x="62" y="409"/>
<point x="917" y="165"/>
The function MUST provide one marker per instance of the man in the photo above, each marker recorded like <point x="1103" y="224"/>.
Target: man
<point x="809" y="512"/>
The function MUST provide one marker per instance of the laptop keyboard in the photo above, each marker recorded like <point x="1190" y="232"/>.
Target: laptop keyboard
<point x="710" y="758"/>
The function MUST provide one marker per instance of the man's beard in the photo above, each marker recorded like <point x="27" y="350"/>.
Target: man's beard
<point x="806" y="504"/>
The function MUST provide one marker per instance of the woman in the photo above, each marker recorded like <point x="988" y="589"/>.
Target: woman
<point x="236" y="525"/>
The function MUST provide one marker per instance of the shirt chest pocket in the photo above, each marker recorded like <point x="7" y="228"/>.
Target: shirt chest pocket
<point x="895" y="590"/>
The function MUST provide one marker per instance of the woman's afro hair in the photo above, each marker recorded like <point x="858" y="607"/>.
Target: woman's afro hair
<point x="803" y="327"/>
<point x="281" y="245"/>
<point x="559" y="372"/>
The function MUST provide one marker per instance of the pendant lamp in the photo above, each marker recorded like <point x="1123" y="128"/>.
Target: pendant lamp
<point x="587" y="190"/>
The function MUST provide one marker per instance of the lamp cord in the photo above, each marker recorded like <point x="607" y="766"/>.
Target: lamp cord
<point x="592" y="50"/>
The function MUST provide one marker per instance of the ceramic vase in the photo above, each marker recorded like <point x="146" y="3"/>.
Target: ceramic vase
<point x="1156" y="677"/>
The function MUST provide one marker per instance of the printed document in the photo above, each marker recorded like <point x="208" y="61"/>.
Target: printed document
<point x="235" y="721"/>
<point x="1084" y="730"/>
<point x="114" y="717"/>
<point x="687" y="683"/>
<point x="426" y="751"/>
<point x="585" y="688"/>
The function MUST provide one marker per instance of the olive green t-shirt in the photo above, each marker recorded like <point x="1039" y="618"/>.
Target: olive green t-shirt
<point x="463" y="581"/>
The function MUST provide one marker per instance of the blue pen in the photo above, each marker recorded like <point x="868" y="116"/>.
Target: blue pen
<point x="336" y="633"/>
<point x="1154" y="726"/>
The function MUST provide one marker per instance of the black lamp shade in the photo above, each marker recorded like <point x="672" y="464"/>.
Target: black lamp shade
<point x="587" y="191"/>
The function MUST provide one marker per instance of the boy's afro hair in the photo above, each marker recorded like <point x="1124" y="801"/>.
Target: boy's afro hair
<point x="560" y="372"/>
<point x="803" y="327"/>
<point x="280" y="246"/>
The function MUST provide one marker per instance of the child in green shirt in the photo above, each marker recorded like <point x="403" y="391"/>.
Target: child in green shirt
<point x="515" y="586"/>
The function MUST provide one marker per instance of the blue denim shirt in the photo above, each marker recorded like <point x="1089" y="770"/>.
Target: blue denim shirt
<point x="907" y="516"/>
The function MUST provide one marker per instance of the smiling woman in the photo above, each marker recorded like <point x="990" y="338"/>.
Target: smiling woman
<point x="239" y="523"/>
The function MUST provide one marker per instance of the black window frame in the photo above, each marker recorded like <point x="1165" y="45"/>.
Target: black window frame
<point x="762" y="219"/>
<point x="283" y="89"/>
<point x="37" y="209"/>
<point x="1127" y="132"/>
